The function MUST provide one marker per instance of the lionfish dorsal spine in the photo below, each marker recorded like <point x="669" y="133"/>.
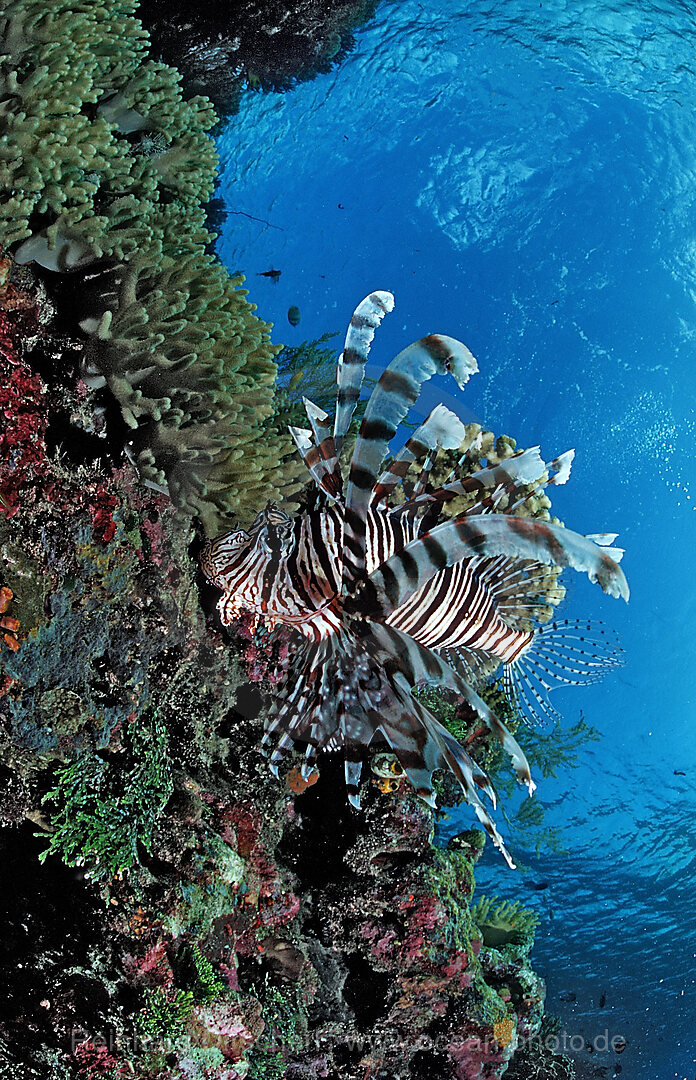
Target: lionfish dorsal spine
<point x="351" y="363"/>
<point x="441" y="429"/>
<point x="390" y="401"/>
<point x="524" y="468"/>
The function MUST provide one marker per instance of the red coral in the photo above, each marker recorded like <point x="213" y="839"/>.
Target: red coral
<point x="152" y="969"/>
<point x="101" y="506"/>
<point x="23" y="408"/>
<point x="94" y="1059"/>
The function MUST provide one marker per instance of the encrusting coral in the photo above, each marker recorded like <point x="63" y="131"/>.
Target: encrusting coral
<point x="104" y="169"/>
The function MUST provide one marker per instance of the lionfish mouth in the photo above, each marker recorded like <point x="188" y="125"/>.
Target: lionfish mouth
<point x="389" y="593"/>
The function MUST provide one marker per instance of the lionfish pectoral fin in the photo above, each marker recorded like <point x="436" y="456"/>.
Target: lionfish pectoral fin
<point x="487" y="535"/>
<point x="605" y="541"/>
<point x="353" y="770"/>
<point x="515" y="472"/>
<point x="428" y="746"/>
<point x="416" y="665"/>
<point x="563" y="653"/>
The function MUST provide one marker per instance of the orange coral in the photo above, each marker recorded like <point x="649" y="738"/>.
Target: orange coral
<point x="297" y="783"/>
<point x="7" y="622"/>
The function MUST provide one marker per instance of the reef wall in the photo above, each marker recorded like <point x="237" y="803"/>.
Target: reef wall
<point x="175" y="911"/>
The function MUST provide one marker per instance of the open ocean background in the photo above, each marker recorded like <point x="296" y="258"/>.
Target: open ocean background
<point x="523" y="176"/>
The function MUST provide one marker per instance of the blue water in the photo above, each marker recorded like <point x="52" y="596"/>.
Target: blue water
<point x="522" y="176"/>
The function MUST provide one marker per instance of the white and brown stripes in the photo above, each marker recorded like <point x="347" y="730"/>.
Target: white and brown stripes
<point x="408" y="571"/>
<point x="351" y="363"/>
<point x="383" y="602"/>
<point x="391" y="399"/>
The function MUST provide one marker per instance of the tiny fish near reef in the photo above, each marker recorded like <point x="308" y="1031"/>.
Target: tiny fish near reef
<point x="385" y="599"/>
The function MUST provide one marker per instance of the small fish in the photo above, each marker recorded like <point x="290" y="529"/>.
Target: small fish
<point x="273" y="274"/>
<point x="293" y="315"/>
<point x="602" y="1000"/>
<point x="568" y="995"/>
<point x="538" y="886"/>
<point x="679" y="772"/>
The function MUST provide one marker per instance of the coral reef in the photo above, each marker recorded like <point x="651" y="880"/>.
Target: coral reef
<point x="105" y="170"/>
<point x="504" y="925"/>
<point x="547" y="753"/>
<point x="481" y="448"/>
<point x="408" y="988"/>
<point x="174" y="911"/>
<point x="270" y="45"/>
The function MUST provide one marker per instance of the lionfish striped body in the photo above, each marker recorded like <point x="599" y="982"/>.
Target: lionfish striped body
<point x="386" y="599"/>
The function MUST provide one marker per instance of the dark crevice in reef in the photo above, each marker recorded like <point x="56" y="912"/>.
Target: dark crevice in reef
<point x="429" y="1065"/>
<point x="50" y="919"/>
<point x="328" y="827"/>
<point x="56" y="354"/>
<point x="248" y="706"/>
<point x="366" y="991"/>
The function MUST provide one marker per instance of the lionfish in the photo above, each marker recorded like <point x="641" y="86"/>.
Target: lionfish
<point x="386" y="600"/>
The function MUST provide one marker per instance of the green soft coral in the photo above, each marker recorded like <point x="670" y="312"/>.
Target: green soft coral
<point x="505" y="924"/>
<point x="101" y="159"/>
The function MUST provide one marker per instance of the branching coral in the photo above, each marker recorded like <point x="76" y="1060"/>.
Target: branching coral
<point x="102" y="159"/>
<point x="481" y="448"/>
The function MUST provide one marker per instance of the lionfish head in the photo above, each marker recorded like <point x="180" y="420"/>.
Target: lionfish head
<point x="241" y="556"/>
<point x="272" y="532"/>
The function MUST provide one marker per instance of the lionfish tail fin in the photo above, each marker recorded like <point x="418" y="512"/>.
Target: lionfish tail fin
<point x="563" y="653"/>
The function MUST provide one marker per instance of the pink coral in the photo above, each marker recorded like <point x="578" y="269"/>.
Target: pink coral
<point x="265" y="656"/>
<point x="94" y="1059"/>
<point x="152" y="969"/>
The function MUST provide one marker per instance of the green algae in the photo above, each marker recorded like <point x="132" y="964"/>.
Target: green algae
<point x="104" y="810"/>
